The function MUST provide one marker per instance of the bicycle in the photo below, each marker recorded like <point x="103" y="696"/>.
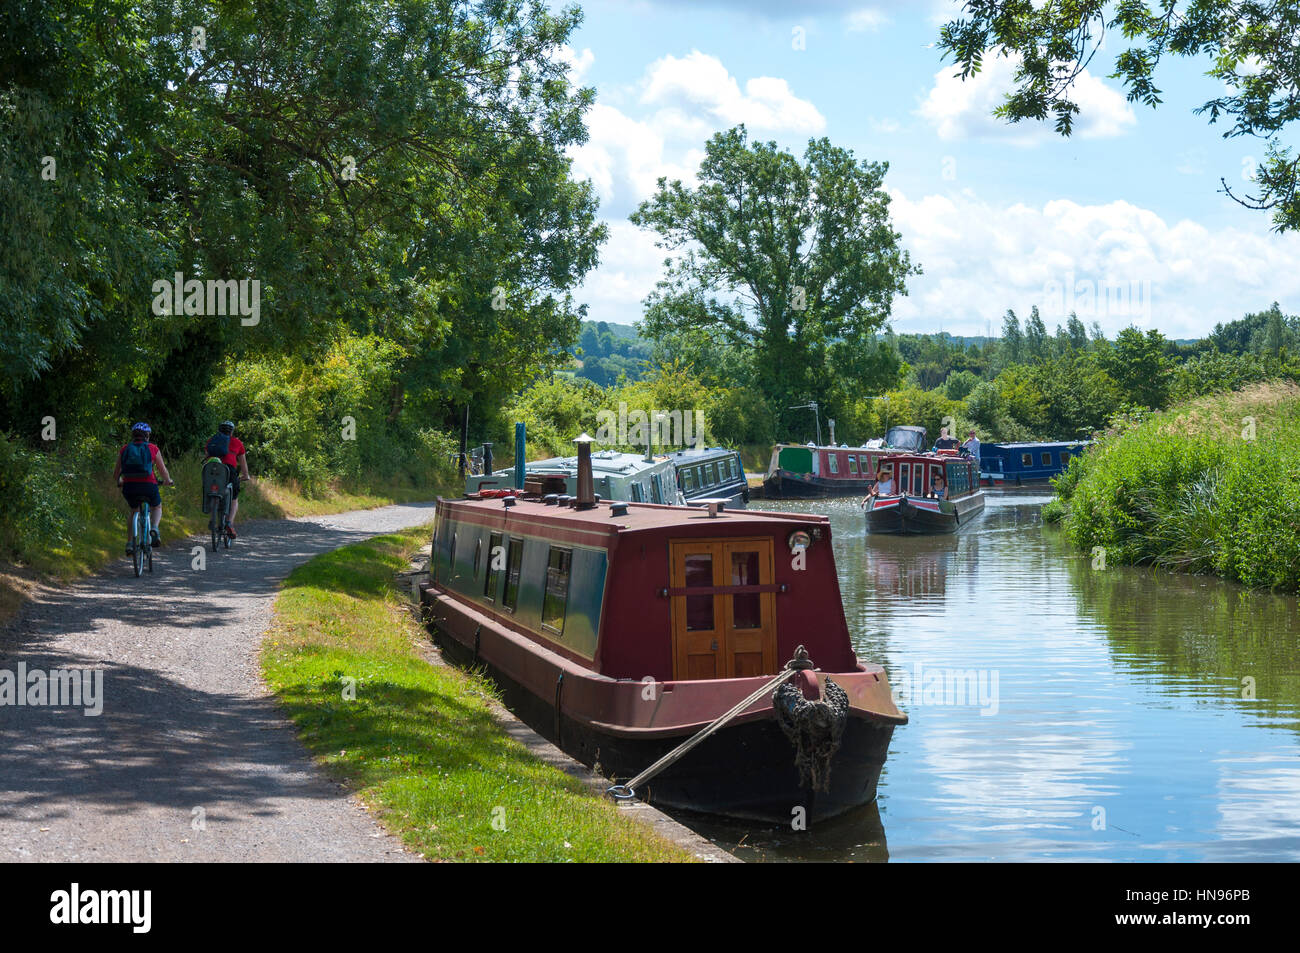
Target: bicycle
<point x="216" y="498"/>
<point x="142" y="539"/>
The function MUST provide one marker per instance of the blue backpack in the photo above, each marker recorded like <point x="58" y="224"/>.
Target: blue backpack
<point x="137" y="459"/>
<point x="218" y="445"/>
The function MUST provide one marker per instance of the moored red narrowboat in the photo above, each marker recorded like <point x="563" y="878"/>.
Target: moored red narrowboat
<point x="800" y="472"/>
<point x="621" y="630"/>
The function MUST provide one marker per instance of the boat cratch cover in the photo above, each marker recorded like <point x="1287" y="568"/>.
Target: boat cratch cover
<point x="911" y="439"/>
<point x="814" y="729"/>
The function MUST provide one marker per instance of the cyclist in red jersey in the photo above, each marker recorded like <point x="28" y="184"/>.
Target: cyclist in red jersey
<point x="230" y="450"/>
<point x="134" y="471"/>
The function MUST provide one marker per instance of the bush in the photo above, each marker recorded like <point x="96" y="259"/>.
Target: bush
<point x="337" y="417"/>
<point x="37" y="500"/>
<point x="1192" y="490"/>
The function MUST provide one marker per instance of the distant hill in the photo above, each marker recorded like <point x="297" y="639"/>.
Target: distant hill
<point x="610" y="350"/>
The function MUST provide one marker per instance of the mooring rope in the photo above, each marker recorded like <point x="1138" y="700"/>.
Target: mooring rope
<point x="627" y="790"/>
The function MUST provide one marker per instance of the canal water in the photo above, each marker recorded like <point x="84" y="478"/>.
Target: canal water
<point x="1059" y="710"/>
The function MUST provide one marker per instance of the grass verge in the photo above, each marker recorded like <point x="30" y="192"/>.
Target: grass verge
<point x="1211" y="485"/>
<point x="419" y="742"/>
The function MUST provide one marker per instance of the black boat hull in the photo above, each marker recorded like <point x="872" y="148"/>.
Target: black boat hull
<point x="746" y="770"/>
<point x="908" y="519"/>
<point x="786" y="486"/>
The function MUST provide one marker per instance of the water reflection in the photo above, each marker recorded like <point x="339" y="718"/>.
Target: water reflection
<point x="1135" y="715"/>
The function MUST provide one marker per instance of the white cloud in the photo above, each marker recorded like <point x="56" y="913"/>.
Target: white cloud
<point x="630" y="264"/>
<point x="981" y="259"/>
<point x="661" y="130"/>
<point x="578" y="63"/>
<point x="963" y="109"/>
<point x="867" y="19"/>
<point x="700" y="83"/>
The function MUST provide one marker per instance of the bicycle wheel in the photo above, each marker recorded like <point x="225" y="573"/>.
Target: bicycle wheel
<point x="225" y="537"/>
<point x="215" y="523"/>
<point x="137" y="551"/>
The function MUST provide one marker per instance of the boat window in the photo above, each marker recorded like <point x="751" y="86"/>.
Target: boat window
<point x="746" y="607"/>
<point x="656" y="491"/>
<point x="496" y="565"/>
<point x="904" y="475"/>
<point x="688" y="478"/>
<point x="735" y="468"/>
<point x="556" y="600"/>
<point x="1026" y="459"/>
<point x="451" y="558"/>
<point x="514" y="559"/>
<point x="1065" y="457"/>
<point x="853" y="464"/>
<point x="636" y="493"/>
<point x="918" y="480"/>
<point x="711" y="473"/>
<point x="1047" y="459"/>
<point x="478" y="554"/>
<point x="862" y="464"/>
<point x="699" y="609"/>
<point x="834" y="460"/>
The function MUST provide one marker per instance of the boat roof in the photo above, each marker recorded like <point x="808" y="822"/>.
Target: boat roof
<point x="602" y="462"/>
<point x="693" y="454"/>
<point x="824" y="446"/>
<point x="639" y="516"/>
<point x="1044" y="443"/>
<point x="924" y="455"/>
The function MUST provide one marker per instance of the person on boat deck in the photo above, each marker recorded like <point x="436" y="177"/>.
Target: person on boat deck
<point x="884" y="485"/>
<point x="972" y="446"/>
<point x="945" y="442"/>
<point x="939" y="487"/>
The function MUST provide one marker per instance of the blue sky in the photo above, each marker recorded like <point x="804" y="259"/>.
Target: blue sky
<point x="1123" y="221"/>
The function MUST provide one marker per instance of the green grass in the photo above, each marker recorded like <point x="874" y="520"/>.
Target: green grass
<point x="1211" y="485"/>
<point x="419" y="742"/>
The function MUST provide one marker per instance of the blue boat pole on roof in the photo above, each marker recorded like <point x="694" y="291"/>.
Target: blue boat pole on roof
<point x="519" y="455"/>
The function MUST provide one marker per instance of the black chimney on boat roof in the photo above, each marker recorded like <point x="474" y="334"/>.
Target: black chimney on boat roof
<point x="586" y="490"/>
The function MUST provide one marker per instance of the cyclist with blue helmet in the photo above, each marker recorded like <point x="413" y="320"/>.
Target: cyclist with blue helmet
<point x="135" y="473"/>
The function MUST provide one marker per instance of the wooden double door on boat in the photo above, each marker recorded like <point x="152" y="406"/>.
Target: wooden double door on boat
<point x="726" y="628"/>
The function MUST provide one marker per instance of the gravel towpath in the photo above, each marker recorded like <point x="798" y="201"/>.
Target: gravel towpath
<point x="190" y="760"/>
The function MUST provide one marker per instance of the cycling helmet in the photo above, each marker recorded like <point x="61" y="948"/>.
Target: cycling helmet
<point x="226" y="427"/>
<point x="141" y="427"/>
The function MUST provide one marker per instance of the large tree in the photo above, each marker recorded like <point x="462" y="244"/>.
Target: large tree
<point x="791" y="260"/>
<point x="1252" y="48"/>
<point x="396" y="167"/>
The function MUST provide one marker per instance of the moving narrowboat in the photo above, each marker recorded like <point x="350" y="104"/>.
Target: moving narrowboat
<point x="1028" y="462"/>
<point x="621" y="630"/>
<point x="628" y="477"/>
<point x="711" y="473"/>
<point x="911" y="508"/>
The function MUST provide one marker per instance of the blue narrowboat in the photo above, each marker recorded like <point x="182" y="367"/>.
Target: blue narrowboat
<point x="1028" y="462"/>
<point x="711" y="473"/>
